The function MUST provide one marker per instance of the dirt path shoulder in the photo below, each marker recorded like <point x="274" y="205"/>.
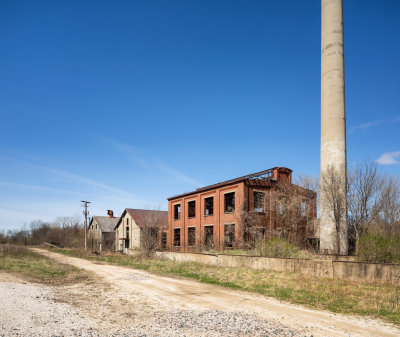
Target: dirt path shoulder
<point x="136" y="299"/>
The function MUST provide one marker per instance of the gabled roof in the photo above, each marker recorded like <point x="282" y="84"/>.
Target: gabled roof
<point x="146" y="217"/>
<point x="106" y="224"/>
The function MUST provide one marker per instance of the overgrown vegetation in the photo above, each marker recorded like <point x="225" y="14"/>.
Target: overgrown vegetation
<point x="279" y="247"/>
<point x="379" y="248"/>
<point x="34" y="267"/>
<point x="340" y="296"/>
<point x="65" y="231"/>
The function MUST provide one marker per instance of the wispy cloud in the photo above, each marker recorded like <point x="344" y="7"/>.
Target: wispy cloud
<point x="389" y="158"/>
<point x="365" y="126"/>
<point x="37" y="187"/>
<point x="82" y="180"/>
<point x="72" y="176"/>
<point x="148" y="160"/>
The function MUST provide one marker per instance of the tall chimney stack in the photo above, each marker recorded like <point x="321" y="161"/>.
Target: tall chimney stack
<point x="333" y="126"/>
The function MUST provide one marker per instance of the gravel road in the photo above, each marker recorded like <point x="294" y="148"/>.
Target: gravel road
<point x="119" y="301"/>
<point x="35" y="310"/>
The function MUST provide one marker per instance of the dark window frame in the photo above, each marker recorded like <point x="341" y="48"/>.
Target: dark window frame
<point x="229" y="202"/>
<point x="207" y="242"/>
<point x="176" y="238"/>
<point x="191" y="236"/>
<point x="209" y="206"/>
<point x="257" y="201"/>
<point x="192" y="209"/>
<point x="303" y="210"/>
<point x="229" y="235"/>
<point x="177" y="211"/>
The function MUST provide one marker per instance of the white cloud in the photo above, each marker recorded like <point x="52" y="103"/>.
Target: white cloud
<point x="365" y="126"/>
<point x="389" y="158"/>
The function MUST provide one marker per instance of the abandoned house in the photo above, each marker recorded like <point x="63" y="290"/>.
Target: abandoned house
<point x="140" y="228"/>
<point x="101" y="232"/>
<point x="240" y="212"/>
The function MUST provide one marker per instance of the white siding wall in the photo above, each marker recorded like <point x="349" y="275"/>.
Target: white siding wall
<point x="134" y="233"/>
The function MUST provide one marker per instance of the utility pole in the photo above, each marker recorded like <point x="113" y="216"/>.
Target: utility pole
<point x="85" y="212"/>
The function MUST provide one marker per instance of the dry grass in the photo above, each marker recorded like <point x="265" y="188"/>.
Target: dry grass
<point x="340" y="296"/>
<point x="33" y="267"/>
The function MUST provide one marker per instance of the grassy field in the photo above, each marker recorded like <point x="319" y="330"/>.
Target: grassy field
<point x="22" y="262"/>
<point x="339" y="296"/>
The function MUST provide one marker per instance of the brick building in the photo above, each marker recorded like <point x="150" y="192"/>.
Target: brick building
<point x="238" y="212"/>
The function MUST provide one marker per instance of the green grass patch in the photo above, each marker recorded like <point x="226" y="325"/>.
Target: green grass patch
<point x="34" y="267"/>
<point x="336" y="295"/>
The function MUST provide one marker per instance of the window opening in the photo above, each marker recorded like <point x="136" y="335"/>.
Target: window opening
<point x="177" y="237"/>
<point x="191" y="236"/>
<point x="177" y="211"/>
<point x="209" y="206"/>
<point x="229" y="231"/>
<point x="208" y="237"/>
<point x="259" y="198"/>
<point x="229" y="202"/>
<point x="191" y="209"/>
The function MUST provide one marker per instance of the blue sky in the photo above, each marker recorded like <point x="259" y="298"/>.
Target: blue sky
<point x="125" y="103"/>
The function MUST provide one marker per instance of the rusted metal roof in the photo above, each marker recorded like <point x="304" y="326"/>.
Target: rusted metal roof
<point x="146" y="217"/>
<point x="266" y="175"/>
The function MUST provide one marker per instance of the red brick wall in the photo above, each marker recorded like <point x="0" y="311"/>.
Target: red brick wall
<point x="244" y="198"/>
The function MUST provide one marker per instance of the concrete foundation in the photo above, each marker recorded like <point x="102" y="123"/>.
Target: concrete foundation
<point x="349" y="270"/>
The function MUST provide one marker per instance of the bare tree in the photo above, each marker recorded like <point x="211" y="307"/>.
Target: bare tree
<point x="152" y="224"/>
<point x="365" y="197"/>
<point x="389" y="215"/>
<point x="335" y="199"/>
<point x="294" y="208"/>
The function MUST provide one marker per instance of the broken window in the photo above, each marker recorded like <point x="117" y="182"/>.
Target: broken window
<point x="209" y="206"/>
<point x="163" y="240"/>
<point x="191" y="209"/>
<point x="229" y="202"/>
<point x="229" y="238"/>
<point x="177" y="237"/>
<point x="177" y="211"/>
<point x="282" y="204"/>
<point x="303" y="207"/>
<point x="208" y="236"/>
<point x="259" y="198"/>
<point x="191" y="236"/>
<point x="127" y="232"/>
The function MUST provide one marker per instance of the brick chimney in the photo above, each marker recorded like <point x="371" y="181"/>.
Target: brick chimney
<point x="110" y="213"/>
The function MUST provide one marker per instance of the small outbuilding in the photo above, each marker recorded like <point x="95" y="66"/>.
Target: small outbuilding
<point x="140" y="228"/>
<point x="101" y="232"/>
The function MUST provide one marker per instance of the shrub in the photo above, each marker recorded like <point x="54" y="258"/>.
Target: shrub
<point x="378" y="248"/>
<point x="279" y="247"/>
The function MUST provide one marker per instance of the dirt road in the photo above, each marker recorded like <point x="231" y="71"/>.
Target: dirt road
<point x="136" y="298"/>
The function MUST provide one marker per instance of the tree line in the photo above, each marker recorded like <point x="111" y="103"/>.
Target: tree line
<point x="67" y="231"/>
